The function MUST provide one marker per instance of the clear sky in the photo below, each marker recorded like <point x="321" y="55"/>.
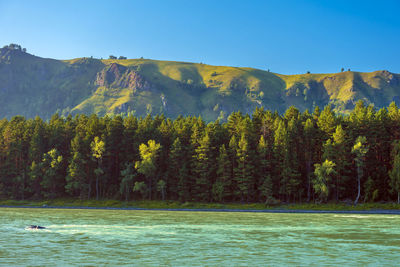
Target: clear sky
<point x="284" y="36"/>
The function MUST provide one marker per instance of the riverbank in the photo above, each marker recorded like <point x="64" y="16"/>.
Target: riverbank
<point x="363" y="208"/>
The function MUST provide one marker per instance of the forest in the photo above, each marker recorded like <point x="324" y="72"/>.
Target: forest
<point x="264" y="157"/>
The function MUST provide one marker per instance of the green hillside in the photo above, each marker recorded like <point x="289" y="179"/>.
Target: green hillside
<point x="31" y="85"/>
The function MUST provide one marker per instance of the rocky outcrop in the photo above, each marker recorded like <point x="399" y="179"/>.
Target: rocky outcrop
<point x="118" y="76"/>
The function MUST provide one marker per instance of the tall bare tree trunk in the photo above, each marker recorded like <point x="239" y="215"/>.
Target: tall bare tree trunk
<point x="90" y="190"/>
<point x="97" y="187"/>
<point x="23" y="185"/>
<point x="150" y="183"/>
<point x="337" y="189"/>
<point x="308" y="180"/>
<point x="359" y="185"/>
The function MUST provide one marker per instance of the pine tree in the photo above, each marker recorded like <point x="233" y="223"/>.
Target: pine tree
<point x="264" y="171"/>
<point x="37" y="146"/>
<point x="310" y="151"/>
<point x="15" y="158"/>
<point x="232" y="149"/>
<point x="244" y="175"/>
<point x="128" y="176"/>
<point x="77" y="178"/>
<point x="222" y="187"/>
<point x="202" y="170"/>
<point x="112" y="154"/>
<point x="327" y="121"/>
<point x="280" y="142"/>
<point x="293" y="158"/>
<point x="340" y="156"/>
<point x="394" y="175"/>
<point x="177" y="183"/>
<point x="394" y="115"/>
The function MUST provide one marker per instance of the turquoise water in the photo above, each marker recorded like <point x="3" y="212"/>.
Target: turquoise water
<point x="179" y="238"/>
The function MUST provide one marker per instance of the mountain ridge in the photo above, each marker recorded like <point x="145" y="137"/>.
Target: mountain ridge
<point x="31" y="85"/>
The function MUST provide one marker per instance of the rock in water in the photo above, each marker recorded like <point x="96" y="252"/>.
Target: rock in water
<point x="35" y="227"/>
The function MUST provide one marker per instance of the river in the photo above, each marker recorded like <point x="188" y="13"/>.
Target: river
<point x="182" y="238"/>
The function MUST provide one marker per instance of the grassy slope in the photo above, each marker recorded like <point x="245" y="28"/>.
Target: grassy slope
<point x="38" y="86"/>
<point x="212" y="89"/>
<point x="31" y="85"/>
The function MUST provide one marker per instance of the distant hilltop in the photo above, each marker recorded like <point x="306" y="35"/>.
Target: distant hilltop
<point x="31" y="86"/>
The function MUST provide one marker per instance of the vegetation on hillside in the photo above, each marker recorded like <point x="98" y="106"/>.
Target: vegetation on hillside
<point x="30" y="86"/>
<point x="266" y="157"/>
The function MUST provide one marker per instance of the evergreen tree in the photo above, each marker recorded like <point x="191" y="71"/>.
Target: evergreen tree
<point x="177" y="183"/>
<point x="77" y="178"/>
<point x="222" y="187"/>
<point x="280" y="154"/>
<point x="128" y="175"/>
<point x="310" y="151"/>
<point x="202" y="170"/>
<point x="244" y="175"/>
<point x="15" y="157"/>
<point x="394" y="173"/>
<point x="327" y="121"/>
<point x="113" y="152"/>
<point x="340" y="156"/>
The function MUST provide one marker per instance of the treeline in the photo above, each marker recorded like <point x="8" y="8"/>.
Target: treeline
<point x="265" y="157"/>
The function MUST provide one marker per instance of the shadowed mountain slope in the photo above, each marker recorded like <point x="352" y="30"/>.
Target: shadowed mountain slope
<point x="31" y="85"/>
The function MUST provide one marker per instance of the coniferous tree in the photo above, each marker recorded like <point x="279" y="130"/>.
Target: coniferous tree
<point x="112" y="155"/>
<point x="177" y="183"/>
<point x="201" y="162"/>
<point x="340" y="156"/>
<point x="77" y="178"/>
<point x="310" y="133"/>
<point x="264" y="172"/>
<point x="128" y="176"/>
<point x="244" y="175"/>
<point x="16" y="145"/>
<point x="222" y="187"/>
<point x="280" y="155"/>
<point x="394" y="173"/>
<point x="327" y="121"/>
<point x="202" y="169"/>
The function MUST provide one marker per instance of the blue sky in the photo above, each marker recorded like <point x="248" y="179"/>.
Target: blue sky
<point x="283" y="36"/>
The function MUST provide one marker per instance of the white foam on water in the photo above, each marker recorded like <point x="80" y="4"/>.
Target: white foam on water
<point x="367" y="216"/>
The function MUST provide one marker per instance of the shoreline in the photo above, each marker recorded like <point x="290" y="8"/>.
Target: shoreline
<point x="304" y="211"/>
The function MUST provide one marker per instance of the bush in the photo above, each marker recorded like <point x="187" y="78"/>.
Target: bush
<point x="271" y="201"/>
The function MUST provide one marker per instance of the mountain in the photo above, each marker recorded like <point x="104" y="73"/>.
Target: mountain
<point x="31" y="85"/>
